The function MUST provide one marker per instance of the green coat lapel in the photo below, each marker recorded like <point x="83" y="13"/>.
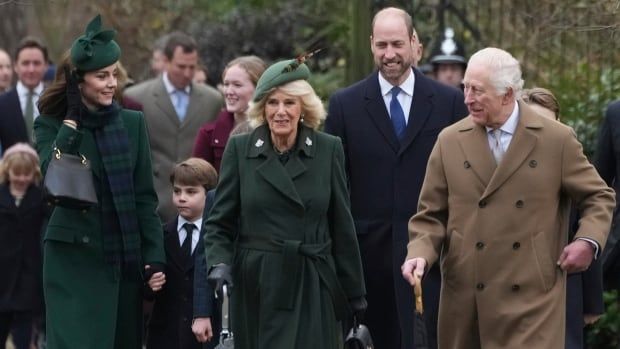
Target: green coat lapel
<point x="281" y="177"/>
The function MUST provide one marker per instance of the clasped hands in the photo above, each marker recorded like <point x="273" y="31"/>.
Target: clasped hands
<point x="155" y="275"/>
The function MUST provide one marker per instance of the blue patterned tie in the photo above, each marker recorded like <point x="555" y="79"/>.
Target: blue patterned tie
<point x="397" y="114"/>
<point x="182" y="100"/>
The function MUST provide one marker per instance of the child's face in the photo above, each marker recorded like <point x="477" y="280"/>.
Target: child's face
<point x="189" y="200"/>
<point x="20" y="180"/>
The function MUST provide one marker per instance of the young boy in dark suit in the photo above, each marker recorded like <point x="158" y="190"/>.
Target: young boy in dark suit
<point x="174" y="309"/>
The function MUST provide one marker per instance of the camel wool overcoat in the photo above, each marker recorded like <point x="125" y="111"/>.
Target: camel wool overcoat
<point x="499" y="230"/>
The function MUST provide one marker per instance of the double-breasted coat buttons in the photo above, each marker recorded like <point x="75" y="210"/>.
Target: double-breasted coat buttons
<point x="519" y="204"/>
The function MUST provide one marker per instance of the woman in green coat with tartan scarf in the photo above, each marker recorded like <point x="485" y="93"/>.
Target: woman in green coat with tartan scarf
<point x="95" y="260"/>
<point x="280" y="232"/>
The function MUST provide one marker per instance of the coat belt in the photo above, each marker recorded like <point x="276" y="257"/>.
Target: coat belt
<point x="293" y="253"/>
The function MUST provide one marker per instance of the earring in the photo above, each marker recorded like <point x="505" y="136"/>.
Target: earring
<point x="301" y="119"/>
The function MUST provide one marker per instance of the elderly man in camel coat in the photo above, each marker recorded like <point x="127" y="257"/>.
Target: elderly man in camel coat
<point x="492" y="210"/>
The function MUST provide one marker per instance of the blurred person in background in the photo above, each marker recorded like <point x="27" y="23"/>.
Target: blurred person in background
<point x="19" y="105"/>
<point x="200" y="75"/>
<point x="239" y="81"/>
<point x="6" y="71"/>
<point x="607" y="162"/>
<point x="449" y="61"/>
<point x="174" y="109"/>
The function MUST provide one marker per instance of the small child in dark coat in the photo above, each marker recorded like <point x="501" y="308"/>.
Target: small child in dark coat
<point x="174" y="310"/>
<point x="22" y="215"/>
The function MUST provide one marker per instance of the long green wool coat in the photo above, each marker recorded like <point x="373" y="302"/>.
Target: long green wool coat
<point x="87" y="306"/>
<point x="287" y="231"/>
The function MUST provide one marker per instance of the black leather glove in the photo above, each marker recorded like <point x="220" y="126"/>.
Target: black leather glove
<point x="358" y="307"/>
<point x="220" y="275"/>
<point x="74" y="97"/>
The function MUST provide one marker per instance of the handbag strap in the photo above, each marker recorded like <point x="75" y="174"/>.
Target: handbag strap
<point x="58" y="154"/>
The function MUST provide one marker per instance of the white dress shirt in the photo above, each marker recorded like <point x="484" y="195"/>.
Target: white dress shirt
<point x="22" y="93"/>
<point x="171" y="89"/>
<point x="183" y="234"/>
<point x="405" y="98"/>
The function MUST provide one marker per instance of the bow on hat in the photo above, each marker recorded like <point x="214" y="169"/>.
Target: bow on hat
<point x="93" y="35"/>
<point x="95" y="49"/>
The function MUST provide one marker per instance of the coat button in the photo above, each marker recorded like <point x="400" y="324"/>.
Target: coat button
<point x="480" y="245"/>
<point x="85" y="239"/>
<point x="519" y="203"/>
<point x="533" y="163"/>
<point x="480" y="286"/>
<point x="466" y="164"/>
<point x="482" y="204"/>
<point x="516" y="287"/>
<point x="516" y="245"/>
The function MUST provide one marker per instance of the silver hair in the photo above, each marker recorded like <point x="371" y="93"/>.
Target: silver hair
<point x="505" y="70"/>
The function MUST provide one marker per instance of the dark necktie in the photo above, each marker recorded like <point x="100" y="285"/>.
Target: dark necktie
<point x="397" y="114"/>
<point x="186" y="246"/>
<point x="29" y="114"/>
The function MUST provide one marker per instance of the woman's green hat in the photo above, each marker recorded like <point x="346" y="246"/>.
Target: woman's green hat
<point x="279" y="74"/>
<point x="95" y="49"/>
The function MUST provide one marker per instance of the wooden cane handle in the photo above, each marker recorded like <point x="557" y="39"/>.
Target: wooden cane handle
<point x="417" y="291"/>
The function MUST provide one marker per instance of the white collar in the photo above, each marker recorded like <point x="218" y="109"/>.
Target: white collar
<point x="406" y="86"/>
<point x="182" y="221"/>
<point x="170" y="87"/>
<point x="511" y="124"/>
<point x="22" y="90"/>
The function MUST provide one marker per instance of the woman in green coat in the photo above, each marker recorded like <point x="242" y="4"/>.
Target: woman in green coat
<point x="280" y="232"/>
<point x="95" y="259"/>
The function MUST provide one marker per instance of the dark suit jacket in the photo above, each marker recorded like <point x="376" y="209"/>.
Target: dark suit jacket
<point x="385" y="179"/>
<point x="170" y="325"/>
<point x="20" y="250"/>
<point x="607" y="162"/>
<point x="12" y="125"/>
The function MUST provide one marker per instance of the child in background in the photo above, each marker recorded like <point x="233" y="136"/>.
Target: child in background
<point x="22" y="215"/>
<point x="174" y="310"/>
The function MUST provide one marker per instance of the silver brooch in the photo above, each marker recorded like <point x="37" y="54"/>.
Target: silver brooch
<point x="259" y="143"/>
<point x="308" y="141"/>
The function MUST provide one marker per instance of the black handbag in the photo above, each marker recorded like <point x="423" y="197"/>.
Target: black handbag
<point x="358" y="337"/>
<point x="69" y="182"/>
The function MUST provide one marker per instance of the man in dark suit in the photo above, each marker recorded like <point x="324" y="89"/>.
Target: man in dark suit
<point x="18" y="106"/>
<point x="607" y="162"/>
<point x="387" y="143"/>
<point x="174" y="110"/>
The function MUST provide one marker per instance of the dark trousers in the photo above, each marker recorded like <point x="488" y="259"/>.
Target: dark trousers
<point x="21" y="323"/>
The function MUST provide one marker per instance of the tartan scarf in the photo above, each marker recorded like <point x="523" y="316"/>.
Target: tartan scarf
<point x="121" y="238"/>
